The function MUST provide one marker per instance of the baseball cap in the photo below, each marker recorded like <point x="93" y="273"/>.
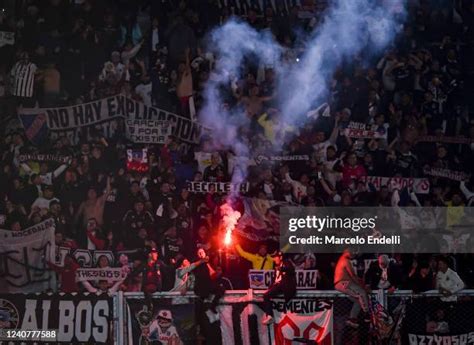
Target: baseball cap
<point x="165" y="314"/>
<point x="278" y="253"/>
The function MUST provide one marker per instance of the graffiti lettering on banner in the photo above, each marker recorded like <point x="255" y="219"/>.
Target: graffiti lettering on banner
<point x="419" y="328"/>
<point x="43" y="157"/>
<point x="446" y="173"/>
<point x="261" y="159"/>
<point x="103" y="115"/>
<point x="216" y="187"/>
<point x="24" y="255"/>
<point x="446" y="140"/>
<point x="263" y="279"/>
<point x="432" y="339"/>
<point x="94" y="274"/>
<point x="364" y="131"/>
<point x="84" y="257"/>
<point x="418" y="185"/>
<point x="75" y="318"/>
<point x="147" y="131"/>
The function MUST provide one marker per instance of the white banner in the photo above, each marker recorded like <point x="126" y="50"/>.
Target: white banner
<point x="216" y="187"/>
<point x="85" y="257"/>
<point x="418" y="185"/>
<point x="365" y="131"/>
<point x="24" y="255"/>
<point x="103" y="115"/>
<point x="43" y="157"/>
<point x="447" y="173"/>
<point x="299" y="321"/>
<point x="147" y="131"/>
<point x="95" y="274"/>
<point x="303" y="320"/>
<point x="262" y="279"/>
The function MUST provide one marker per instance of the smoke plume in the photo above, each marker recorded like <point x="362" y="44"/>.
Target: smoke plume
<point x="349" y="29"/>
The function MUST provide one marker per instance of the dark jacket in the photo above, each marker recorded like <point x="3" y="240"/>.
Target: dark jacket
<point x="374" y="273"/>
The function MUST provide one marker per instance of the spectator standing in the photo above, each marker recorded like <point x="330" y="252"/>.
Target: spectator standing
<point x="23" y="80"/>
<point x="260" y="261"/>
<point x="284" y="283"/>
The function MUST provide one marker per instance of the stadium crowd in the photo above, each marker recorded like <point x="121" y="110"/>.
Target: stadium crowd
<point x="71" y="52"/>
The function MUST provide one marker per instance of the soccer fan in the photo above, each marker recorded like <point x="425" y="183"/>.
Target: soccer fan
<point x="284" y="283"/>
<point x="347" y="282"/>
<point x="261" y="260"/>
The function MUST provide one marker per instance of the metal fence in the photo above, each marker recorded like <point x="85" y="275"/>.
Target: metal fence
<point x="421" y="311"/>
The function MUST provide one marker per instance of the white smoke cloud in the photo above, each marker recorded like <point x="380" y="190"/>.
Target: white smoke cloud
<point x="349" y="28"/>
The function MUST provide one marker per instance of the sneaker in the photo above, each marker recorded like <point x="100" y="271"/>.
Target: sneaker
<point x="213" y="317"/>
<point x="352" y="323"/>
<point x="267" y="320"/>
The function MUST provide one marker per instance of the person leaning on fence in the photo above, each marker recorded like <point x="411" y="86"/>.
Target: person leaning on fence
<point x="285" y="283"/>
<point x="347" y="282"/>
<point x="448" y="281"/>
<point x="261" y="260"/>
<point x="382" y="274"/>
<point x="184" y="279"/>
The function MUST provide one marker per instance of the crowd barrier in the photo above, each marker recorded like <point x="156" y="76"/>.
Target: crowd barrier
<point x="123" y="318"/>
<point x="418" y="307"/>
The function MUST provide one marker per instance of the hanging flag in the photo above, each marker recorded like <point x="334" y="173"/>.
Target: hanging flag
<point x="137" y="160"/>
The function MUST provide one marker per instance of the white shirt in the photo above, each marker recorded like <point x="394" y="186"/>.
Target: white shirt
<point x="449" y="281"/>
<point x="90" y="244"/>
<point x="43" y="203"/>
<point x="320" y="150"/>
<point x="163" y="336"/>
<point x="203" y="159"/>
<point x="144" y="91"/>
<point x="48" y="177"/>
<point x="23" y="76"/>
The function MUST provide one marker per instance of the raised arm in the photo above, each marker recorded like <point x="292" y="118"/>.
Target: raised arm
<point x="262" y="120"/>
<point x="108" y="190"/>
<point x="187" y="52"/>
<point x="335" y="130"/>
<point x="246" y="255"/>
<point x="185" y="270"/>
<point x="26" y="168"/>
<point x="467" y="193"/>
<point x="59" y="170"/>
<point x="89" y="287"/>
<point x="212" y="272"/>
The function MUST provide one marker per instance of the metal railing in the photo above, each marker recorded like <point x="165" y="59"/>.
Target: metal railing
<point x="236" y="296"/>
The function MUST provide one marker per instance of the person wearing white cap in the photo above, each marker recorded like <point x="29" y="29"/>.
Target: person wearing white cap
<point x="162" y="329"/>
